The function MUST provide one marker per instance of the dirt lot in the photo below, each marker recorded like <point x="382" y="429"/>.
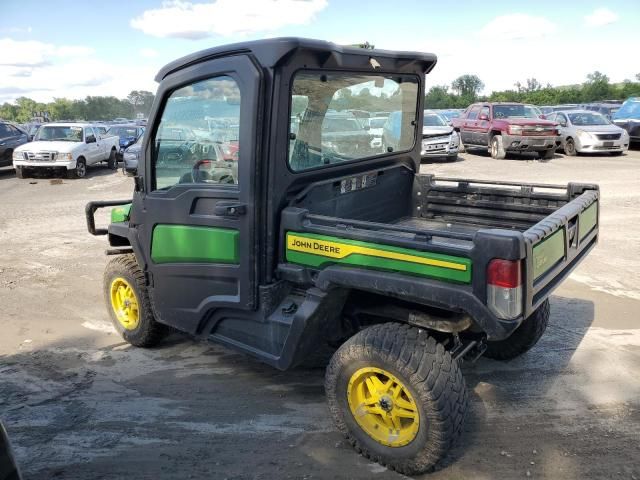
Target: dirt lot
<point x="81" y="404"/>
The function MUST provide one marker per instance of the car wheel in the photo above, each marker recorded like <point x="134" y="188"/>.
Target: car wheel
<point x="497" y="147"/>
<point x="21" y="172"/>
<point x="80" y="171"/>
<point x="570" y="147"/>
<point x="397" y="396"/>
<point x="128" y="302"/>
<point x="525" y="336"/>
<point x="547" y="154"/>
<point x="112" y="162"/>
<point x="452" y="158"/>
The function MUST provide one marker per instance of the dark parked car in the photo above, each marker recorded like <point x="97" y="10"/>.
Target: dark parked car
<point x="628" y="117"/>
<point x="128" y="135"/>
<point x="10" y="137"/>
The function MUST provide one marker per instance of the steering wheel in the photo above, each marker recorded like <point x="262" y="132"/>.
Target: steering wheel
<point x="195" y="171"/>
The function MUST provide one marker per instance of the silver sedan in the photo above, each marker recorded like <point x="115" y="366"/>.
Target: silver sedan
<point x="583" y="131"/>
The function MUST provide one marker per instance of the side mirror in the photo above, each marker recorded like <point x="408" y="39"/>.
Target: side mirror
<point x="91" y="139"/>
<point x="484" y="117"/>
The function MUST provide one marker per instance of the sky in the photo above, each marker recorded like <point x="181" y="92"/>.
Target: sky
<point x="62" y="48"/>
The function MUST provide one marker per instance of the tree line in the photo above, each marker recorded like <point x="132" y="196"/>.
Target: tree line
<point x="466" y="89"/>
<point x="91" y="108"/>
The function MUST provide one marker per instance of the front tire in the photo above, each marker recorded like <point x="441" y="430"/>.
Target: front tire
<point x="21" y="172"/>
<point x="127" y="297"/>
<point x="524" y="338"/>
<point x="497" y="148"/>
<point x="570" y="148"/>
<point x="398" y="397"/>
<point x="548" y="154"/>
<point x="80" y="171"/>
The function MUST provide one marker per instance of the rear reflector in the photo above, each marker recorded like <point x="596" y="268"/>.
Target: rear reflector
<point x="504" y="289"/>
<point x="504" y="273"/>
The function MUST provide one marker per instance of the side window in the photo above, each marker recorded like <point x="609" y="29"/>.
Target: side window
<point x="88" y="132"/>
<point x="197" y="140"/>
<point x="484" y="111"/>
<point x="473" y="114"/>
<point x="561" y="119"/>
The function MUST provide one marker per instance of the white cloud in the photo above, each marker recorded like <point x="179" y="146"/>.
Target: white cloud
<point x="148" y="52"/>
<point x="184" y="19"/>
<point x="600" y="17"/>
<point x="517" y="26"/>
<point x="30" y="53"/>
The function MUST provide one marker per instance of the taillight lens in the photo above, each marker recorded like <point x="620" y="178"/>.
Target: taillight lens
<point x="504" y="288"/>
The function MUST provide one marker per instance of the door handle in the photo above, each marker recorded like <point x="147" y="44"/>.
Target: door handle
<point x="229" y="209"/>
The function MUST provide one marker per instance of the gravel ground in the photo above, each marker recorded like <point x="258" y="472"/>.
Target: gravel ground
<point x="81" y="404"/>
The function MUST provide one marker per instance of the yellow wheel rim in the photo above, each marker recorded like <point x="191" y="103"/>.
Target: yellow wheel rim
<point x="383" y="407"/>
<point x="124" y="303"/>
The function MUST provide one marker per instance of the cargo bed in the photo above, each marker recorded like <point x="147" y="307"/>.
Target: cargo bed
<point x="391" y="219"/>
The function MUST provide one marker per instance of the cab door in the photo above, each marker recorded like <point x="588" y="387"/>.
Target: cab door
<point x="467" y="128"/>
<point x="197" y="231"/>
<point x="93" y="153"/>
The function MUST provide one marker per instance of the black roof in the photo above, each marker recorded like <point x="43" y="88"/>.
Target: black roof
<point x="271" y="51"/>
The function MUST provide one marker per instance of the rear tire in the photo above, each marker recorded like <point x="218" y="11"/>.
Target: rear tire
<point x="419" y="394"/>
<point x="112" y="162"/>
<point x="524" y="338"/>
<point x="123" y="279"/>
<point x="497" y="148"/>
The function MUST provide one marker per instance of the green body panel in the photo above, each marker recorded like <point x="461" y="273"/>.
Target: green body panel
<point x="182" y="243"/>
<point x="548" y="252"/>
<point x="588" y="220"/>
<point x="121" y="213"/>
<point x="378" y="263"/>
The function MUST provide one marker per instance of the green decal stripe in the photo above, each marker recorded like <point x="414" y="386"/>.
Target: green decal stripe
<point x="121" y="213"/>
<point x="587" y="220"/>
<point x="320" y="250"/>
<point x="548" y="252"/>
<point x="182" y="243"/>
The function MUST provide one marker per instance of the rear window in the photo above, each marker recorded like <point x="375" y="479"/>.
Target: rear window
<point x="329" y="117"/>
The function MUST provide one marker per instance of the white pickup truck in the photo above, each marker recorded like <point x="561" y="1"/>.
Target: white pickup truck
<point x="69" y="146"/>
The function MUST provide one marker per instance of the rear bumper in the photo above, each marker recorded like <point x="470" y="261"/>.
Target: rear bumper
<point x="519" y="143"/>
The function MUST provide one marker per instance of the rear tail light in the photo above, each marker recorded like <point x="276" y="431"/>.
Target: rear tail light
<point x="504" y="288"/>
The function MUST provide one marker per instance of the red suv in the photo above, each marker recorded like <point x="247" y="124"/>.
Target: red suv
<point x="506" y="127"/>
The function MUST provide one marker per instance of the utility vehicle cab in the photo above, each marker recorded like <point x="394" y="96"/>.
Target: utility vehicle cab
<point x="311" y="235"/>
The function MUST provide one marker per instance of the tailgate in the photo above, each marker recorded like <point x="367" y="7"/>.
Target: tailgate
<point x="556" y="245"/>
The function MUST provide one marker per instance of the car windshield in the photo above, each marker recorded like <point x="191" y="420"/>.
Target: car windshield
<point x="587" y="118"/>
<point x="336" y="125"/>
<point x="629" y="109"/>
<point x="532" y="111"/>
<point x="377" y="122"/>
<point x="513" y="111"/>
<point x="58" y="133"/>
<point x="433" y="120"/>
<point x="123" y="131"/>
<point x="323" y="129"/>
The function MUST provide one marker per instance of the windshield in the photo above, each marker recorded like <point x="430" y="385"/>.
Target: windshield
<point x="377" y="122"/>
<point x="532" y="111"/>
<point x="513" y="111"/>
<point x="587" y="118"/>
<point x="433" y="120"/>
<point x="629" y="109"/>
<point x="324" y="128"/>
<point x="65" y="134"/>
<point x="123" y="131"/>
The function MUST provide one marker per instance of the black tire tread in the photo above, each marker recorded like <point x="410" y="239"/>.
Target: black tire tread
<point x="524" y="338"/>
<point x="433" y="373"/>
<point x="150" y="332"/>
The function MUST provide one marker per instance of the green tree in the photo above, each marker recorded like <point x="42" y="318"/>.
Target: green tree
<point x="141" y="100"/>
<point x="467" y="86"/>
<point x="596" y="87"/>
